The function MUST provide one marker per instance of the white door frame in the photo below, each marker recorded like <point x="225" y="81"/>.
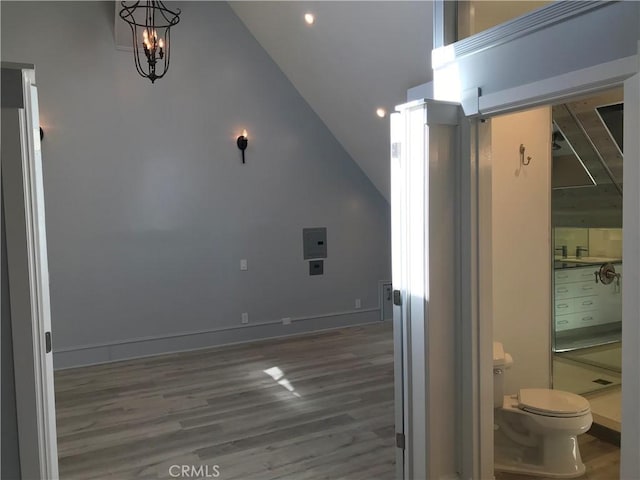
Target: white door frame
<point x="23" y="197"/>
<point x="476" y="357"/>
<point x="429" y="141"/>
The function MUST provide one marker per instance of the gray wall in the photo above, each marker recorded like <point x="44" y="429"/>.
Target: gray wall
<point x="9" y="450"/>
<point x="149" y="208"/>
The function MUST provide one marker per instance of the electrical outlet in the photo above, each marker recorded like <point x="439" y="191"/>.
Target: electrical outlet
<point x="286" y="321"/>
<point x="358" y="303"/>
<point x="245" y="318"/>
<point x="243" y="264"/>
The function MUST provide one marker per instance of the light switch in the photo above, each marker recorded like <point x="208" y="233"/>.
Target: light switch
<point x="243" y="264"/>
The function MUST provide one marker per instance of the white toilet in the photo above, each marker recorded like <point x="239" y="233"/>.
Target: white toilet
<point x="536" y="428"/>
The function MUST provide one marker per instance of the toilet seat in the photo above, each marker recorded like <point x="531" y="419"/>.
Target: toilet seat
<point x="552" y="403"/>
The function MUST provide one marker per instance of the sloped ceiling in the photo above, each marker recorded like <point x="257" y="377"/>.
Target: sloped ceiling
<point x="356" y="57"/>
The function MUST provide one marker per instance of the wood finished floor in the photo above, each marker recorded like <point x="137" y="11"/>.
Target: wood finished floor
<point x="301" y="408"/>
<point x="312" y="407"/>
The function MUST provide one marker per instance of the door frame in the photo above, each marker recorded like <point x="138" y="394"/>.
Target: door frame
<point x="448" y="67"/>
<point x="22" y="189"/>
<point x="430" y="265"/>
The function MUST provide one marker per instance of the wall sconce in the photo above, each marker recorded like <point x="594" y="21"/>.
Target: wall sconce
<point x="242" y="143"/>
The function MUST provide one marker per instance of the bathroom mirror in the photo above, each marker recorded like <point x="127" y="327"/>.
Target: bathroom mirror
<point x="587" y="233"/>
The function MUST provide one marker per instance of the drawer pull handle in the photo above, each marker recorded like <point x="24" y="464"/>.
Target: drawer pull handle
<point x="562" y="290"/>
<point x="587" y="288"/>
<point x="563" y="276"/>
<point x="586" y="319"/>
<point x="562" y="322"/>
<point x="562" y="305"/>
<point x="587" y="303"/>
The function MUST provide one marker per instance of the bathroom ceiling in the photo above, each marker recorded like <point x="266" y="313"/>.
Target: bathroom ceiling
<point x="592" y="133"/>
<point x="355" y="58"/>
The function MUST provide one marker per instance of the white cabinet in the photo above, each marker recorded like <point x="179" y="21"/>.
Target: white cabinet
<point x="581" y="302"/>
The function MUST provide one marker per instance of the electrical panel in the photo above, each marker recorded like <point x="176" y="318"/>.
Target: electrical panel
<point x="314" y="241"/>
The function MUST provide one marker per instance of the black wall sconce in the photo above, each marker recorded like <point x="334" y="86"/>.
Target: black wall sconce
<point x="41" y="134"/>
<point x="242" y="143"/>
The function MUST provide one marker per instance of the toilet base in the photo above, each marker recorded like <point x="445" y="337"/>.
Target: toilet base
<point x="519" y="459"/>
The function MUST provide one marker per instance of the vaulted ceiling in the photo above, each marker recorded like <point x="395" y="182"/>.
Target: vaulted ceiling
<point x="356" y="57"/>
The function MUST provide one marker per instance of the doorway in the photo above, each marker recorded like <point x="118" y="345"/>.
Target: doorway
<point x="520" y="147"/>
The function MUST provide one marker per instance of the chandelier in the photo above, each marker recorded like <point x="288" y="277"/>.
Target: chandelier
<point x="150" y="24"/>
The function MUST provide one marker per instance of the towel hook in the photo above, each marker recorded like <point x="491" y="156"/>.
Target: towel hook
<point x="522" y="160"/>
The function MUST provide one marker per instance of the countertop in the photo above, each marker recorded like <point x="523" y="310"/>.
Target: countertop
<point x="561" y="263"/>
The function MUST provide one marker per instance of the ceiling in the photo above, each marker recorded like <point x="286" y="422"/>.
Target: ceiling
<point x="356" y="57"/>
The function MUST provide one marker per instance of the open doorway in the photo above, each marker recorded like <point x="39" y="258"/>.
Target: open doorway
<point x="525" y="165"/>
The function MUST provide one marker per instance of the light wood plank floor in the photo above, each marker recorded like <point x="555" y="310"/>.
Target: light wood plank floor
<point x="301" y="408"/>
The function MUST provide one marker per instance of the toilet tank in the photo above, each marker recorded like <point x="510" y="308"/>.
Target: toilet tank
<point x="501" y="362"/>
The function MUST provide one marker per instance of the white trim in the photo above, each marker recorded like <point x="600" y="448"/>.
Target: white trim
<point x="553" y="89"/>
<point x="151" y="338"/>
<point x="425" y="154"/>
<point x="29" y="285"/>
<point x="222" y="345"/>
<point x="524" y="25"/>
<point x="630" y="451"/>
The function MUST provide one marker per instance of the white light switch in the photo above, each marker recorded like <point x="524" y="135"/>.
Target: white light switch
<point x="358" y="303"/>
<point x="245" y="318"/>
<point x="243" y="264"/>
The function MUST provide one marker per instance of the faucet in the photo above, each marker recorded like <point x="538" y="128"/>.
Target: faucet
<point x="580" y="250"/>
<point x="562" y="248"/>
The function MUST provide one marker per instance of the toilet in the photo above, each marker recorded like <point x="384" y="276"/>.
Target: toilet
<point x="536" y="429"/>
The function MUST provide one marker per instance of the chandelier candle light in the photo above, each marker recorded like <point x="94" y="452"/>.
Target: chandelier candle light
<point x="150" y="24"/>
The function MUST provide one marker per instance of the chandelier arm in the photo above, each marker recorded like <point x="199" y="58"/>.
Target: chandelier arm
<point x="136" y="57"/>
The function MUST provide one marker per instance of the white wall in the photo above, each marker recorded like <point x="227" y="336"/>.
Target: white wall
<point x="149" y="208"/>
<point x="521" y="216"/>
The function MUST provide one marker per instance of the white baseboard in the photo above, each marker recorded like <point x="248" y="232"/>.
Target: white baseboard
<point x="94" y="354"/>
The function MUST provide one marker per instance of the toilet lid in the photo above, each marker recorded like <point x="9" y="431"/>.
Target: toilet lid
<point x="554" y="403"/>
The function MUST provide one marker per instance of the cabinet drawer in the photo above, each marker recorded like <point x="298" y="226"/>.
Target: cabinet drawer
<point x="563" y="276"/>
<point x="574" y="305"/>
<point x="573" y="290"/>
<point x="564" y="307"/>
<point x="581" y="274"/>
<point x="584" y="289"/>
<point x="577" y="320"/>
<point x="585" y="304"/>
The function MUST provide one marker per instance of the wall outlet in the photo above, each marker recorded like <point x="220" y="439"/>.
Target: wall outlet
<point x="245" y="318"/>
<point x="358" y="303"/>
<point x="286" y="321"/>
<point x="243" y="264"/>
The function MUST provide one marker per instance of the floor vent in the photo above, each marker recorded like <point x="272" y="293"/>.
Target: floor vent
<point x="602" y="381"/>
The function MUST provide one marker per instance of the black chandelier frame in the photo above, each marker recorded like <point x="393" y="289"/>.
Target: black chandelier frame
<point x="153" y="11"/>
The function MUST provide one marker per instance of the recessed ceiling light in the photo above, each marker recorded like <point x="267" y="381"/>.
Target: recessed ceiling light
<point x="309" y="18"/>
<point x="381" y="112"/>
